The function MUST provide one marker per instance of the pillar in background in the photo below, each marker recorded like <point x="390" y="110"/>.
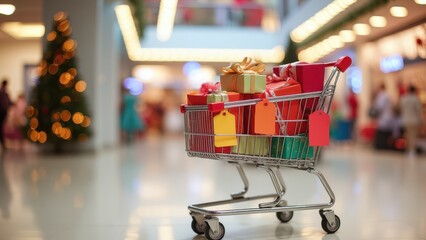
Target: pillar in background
<point x="98" y="58"/>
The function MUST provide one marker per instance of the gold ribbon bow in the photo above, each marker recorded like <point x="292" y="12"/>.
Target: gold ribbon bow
<point x="247" y="66"/>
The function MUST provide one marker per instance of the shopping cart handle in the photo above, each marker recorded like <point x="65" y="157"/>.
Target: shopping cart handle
<point x="343" y="63"/>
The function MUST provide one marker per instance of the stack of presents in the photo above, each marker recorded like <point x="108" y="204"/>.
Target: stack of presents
<point x="269" y="129"/>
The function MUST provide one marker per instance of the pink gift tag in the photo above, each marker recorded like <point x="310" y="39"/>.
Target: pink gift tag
<point x="319" y="129"/>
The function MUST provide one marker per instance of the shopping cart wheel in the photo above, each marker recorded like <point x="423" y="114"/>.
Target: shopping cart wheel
<point x="211" y="235"/>
<point x="327" y="226"/>
<point x="285" y="216"/>
<point x="197" y="228"/>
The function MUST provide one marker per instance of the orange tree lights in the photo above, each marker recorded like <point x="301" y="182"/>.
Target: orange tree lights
<point x="57" y="110"/>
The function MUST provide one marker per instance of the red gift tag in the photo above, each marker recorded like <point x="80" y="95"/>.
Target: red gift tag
<point x="319" y="129"/>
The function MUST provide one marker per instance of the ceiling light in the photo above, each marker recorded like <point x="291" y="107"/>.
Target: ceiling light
<point x="20" y="30"/>
<point x="321" y="18"/>
<point x="166" y="19"/>
<point x="7" y="9"/>
<point x="361" y="29"/>
<point x="378" y="21"/>
<point x="421" y="2"/>
<point x="398" y="11"/>
<point x="347" y="36"/>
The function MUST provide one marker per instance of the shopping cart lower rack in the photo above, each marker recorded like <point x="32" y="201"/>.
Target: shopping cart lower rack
<point x="289" y="148"/>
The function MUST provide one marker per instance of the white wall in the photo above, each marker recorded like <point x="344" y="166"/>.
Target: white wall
<point x="14" y="55"/>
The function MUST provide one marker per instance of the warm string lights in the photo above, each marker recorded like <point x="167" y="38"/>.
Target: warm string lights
<point x="64" y="120"/>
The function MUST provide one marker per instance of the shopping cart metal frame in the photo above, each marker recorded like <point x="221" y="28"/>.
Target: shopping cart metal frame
<point x="205" y="221"/>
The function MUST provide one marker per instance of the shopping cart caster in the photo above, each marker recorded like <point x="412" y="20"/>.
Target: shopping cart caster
<point x="214" y="230"/>
<point x="198" y="225"/>
<point x="197" y="228"/>
<point x="330" y="222"/>
<point x="284" y="216"/>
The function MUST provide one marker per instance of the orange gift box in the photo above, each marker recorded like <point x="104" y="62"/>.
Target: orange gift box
<point x="205" y="141"/>
<point x="289" y="110"/>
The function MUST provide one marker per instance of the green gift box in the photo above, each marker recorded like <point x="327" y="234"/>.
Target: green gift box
<point x="243" y="83"/>
<point x="252" y="145"/>
<point x="296" y="147"/>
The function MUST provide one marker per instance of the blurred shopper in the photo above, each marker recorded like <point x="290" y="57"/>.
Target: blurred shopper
<point x="386" y="119"/>
<point x="411" y="112"/>
<point x="16" y="120"/>
<point x="5" y="104"/>
<point x="353" y="113"/>
<point x="131" y="123"/>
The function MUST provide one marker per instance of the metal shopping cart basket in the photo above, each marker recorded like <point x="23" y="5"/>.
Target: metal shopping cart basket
<point x="288" y="148"/>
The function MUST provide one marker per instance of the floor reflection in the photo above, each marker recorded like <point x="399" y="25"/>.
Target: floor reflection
<point x="142" y="191"/>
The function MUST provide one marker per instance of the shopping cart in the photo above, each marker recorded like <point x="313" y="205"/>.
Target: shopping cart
<point x="288" y="148"/>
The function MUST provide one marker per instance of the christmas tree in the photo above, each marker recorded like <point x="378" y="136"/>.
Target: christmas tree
<point x="57" y="112"/>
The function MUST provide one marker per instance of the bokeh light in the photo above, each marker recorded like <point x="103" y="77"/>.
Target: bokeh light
<point x="69" y="45"/>
<point x="42" y="137"/>
<point x="53" y="69"/>
<point x="33" y="123"/>
<point x="63" y="26"/>
<point x="86" y="122"/>
<point x="78" y="118"/>
<point x="65" y="99"/>
<point x="72" y="71"/>
<point x="65" y="78"/>
<point x="65" y="115"/>
<point x="29" y="111"/>
<point x="56" y="116"/>
<point x="189" y="67"/>
<point x="51" y="36"/>
<point x="56" y="128"/>
<point x="58" y="60"/>
<point x="80" y="86"/>
<point x="59" y="16"/>
<point x="134" y="86"/>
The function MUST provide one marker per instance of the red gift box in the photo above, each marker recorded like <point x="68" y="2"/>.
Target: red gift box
<point x="309" y="75"/>
<point x="202" y="123"/>
<point x="288" y="110"/>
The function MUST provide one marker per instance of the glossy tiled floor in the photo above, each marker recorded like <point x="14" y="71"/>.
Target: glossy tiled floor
<point x="141" y="191"/>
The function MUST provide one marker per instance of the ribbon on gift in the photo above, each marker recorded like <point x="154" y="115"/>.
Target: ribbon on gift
<point x="270" y="90"/>
<point x="223" y="97"/>
<point x="288" y="71"/>
<point x="209" y="87"/>
<point x="275" y="78"/>
<point x="247" y="66"/>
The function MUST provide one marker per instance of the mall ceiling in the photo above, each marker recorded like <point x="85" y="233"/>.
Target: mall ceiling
<point x="30" y="11"/>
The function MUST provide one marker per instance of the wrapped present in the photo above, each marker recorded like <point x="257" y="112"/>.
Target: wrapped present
<point x="291" y="148"/>
<point x="287" y="111"/>
<point x="252" y="145"/>
<point x="244" y="77"/>
<point x="309" y="75"/>
<point x="197" y="98"/>
<point x="205" y="141"/>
